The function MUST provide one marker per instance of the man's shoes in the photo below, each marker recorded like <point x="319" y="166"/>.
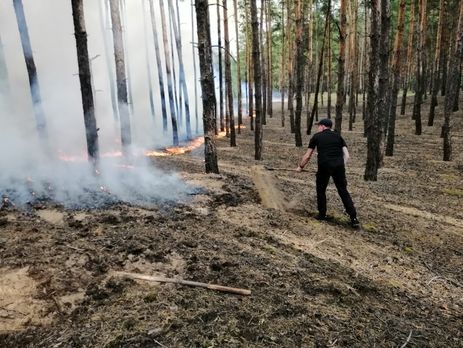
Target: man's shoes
<point x="354" y="222"/>
<point x="320" y="217"/>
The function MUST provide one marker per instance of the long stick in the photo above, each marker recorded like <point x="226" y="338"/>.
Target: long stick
<point x="237" y="291"/>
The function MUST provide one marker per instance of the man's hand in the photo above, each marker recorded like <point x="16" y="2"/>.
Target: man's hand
<point x="299" y="169"/>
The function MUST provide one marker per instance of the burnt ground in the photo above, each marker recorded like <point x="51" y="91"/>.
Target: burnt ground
<point x="395" y="282"/>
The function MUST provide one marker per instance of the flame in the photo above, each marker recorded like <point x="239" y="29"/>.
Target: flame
<point x="177" y="150"/>
<point x="169" y="151"/>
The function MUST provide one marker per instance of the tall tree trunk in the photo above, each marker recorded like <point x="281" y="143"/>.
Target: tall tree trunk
<point x="353" y="65"/>
<point x="420" y="69"/>
<point x="365" y="63"/>
<point x="263" y="62"/>
<point x="159" y="68"/>
<point x="269" y="60"/>
<point x="249" y="65"/>
<point x="126" y="55"/>
<point x="177" y="91"/>
<point x="223" y="126"/>
<point x="290" y="68"/>
<point x="320" y="69"/>
<point x="148" y="61"/>
<point x="411" y="31"/>
<point x="300" y="65"/>
<point x="121" y="80"/>
<point x="310" y="66"/>
<point x="85" y="80"/>
<point x="184" y="89"/>
<point x="195" y="73"/>
<point x="453" y="86"/>
<point x="436" y="66"/>
<point x="457" y="95"/>
<point x="340" y="94"/>
<point x="105" y="21"/>
<point x="238" y="68"/>
<point x="258" y="132"/>
<point x="372" y="120"/>
<point x="396" y="68"/>
<point x="207" y="85"/>
<point x="228" y="76"/>
<point x="40" y="118"/>
<point x="283" y="61"/>
<point x="169" y="74"/>
<point x="329" y="63"/>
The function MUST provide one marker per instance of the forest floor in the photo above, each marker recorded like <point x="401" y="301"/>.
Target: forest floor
<point x="396" y="281"/>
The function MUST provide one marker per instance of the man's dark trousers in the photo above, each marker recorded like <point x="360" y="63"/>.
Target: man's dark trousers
<point x="339" y="177"/>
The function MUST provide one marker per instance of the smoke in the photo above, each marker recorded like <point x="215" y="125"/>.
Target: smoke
<point x="32" y="169"/>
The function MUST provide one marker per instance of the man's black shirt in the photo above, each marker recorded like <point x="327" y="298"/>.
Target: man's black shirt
<point x="329" y="146"/>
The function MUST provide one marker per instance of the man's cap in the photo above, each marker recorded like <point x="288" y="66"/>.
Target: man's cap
<point x="325" y="122"/>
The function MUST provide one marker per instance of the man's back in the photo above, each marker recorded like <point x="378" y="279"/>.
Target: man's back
<point x="329" y="146"/>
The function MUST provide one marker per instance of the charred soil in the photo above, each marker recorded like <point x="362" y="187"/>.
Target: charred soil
<point x="395" y="281"/>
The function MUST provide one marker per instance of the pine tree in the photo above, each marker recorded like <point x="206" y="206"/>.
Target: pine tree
<point x="207" y="85"/>
<point x="39" y="113"/>
<point x="85" y="80"/>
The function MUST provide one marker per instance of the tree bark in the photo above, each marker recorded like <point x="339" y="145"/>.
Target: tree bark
<point x="263" y="58"/>
<point x="223" y="126"/>
<point x="372" y="120"/>
<point x="420" y="69"/>
<point x="238" y="68"/>
<point x="269" y="60"/>
<point x="283" y="61"/>
<point x="86" y="89"/>
<point x="40" y="119"/>
<point x="436" y="65"/>
<point x="170" y="88"/>
<point x="320" y="69"/>
<point x="353" y="65"/>
<point x="453" y="86"/>
<point x="258" y="132"/>
<point x="121" y="79"/>
<point x="148" y="61"/>
<point x="195" y="73"/>
<point x="159" y="68"/>
<point x="340" y="94"/>
<point x="329" y="64"/>
<point x="228" y="77"/>
<point x="126" y="55"/>
<point x="396" y="67"/>
<point x="184" y="89"/>
<point x="409" y="63"/>
<point x="207" y="85"/>
<point x="300" y="64"/>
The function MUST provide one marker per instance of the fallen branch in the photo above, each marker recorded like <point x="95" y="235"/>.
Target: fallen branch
<point x="184" y="282"/>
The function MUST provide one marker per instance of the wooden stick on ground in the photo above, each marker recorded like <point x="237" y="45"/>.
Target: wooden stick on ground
<point x="237" y="291"/>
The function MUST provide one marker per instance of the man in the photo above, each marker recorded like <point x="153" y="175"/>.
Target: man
<point x="332" y="157"/>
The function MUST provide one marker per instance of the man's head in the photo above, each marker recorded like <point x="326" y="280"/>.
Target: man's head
<point x="325" y="123"/>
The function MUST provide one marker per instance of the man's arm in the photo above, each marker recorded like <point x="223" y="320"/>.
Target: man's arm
<point x="305" y="160"/>
<point x="345" y="154"/>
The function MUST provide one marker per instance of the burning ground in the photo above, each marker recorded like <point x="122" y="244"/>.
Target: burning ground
<point x="396" y="281"/>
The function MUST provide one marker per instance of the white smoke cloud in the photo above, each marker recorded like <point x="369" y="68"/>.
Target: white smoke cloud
<point x="23" y="156"/>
